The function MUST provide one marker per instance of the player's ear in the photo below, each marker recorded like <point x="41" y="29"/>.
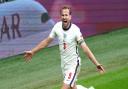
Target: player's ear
<point x="70" y="17"/>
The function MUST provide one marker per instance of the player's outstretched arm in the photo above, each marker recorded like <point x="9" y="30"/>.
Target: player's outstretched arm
<point x="28" y="54"/>
<point x="92" y="58"/>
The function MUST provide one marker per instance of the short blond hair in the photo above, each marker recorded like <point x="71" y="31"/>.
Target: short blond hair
<point x="66" y="7"/>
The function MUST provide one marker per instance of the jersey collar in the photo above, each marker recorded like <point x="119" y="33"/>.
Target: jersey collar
<point x="65" y="29"/>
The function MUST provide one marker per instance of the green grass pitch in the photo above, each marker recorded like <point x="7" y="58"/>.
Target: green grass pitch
<point x="44" y="71"/>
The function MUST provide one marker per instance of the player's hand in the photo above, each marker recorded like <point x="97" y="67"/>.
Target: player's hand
<point x="101" y="69"/>
<point x="28" y="55"/>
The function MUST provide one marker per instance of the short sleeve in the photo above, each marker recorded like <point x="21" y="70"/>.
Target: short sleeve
<point x="53" y="33"/>
<point x="79" y="37"/>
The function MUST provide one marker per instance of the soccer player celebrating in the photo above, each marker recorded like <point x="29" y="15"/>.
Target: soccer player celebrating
<point x="69" y="37"/>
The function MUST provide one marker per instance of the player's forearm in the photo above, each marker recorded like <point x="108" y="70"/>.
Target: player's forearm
<point x="93" y="59"/>
<point x="41" y="45"/>
<point x="90" y="55"/>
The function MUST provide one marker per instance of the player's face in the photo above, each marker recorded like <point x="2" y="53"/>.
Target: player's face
<point x="65" y="17"/>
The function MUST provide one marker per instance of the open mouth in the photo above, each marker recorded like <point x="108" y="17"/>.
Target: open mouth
<point x="65" y="21"/>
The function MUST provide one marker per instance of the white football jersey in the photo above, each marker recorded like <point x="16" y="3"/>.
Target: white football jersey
<point x="68" y="42"/>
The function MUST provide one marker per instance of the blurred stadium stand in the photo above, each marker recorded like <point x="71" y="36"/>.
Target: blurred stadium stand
<point x="37" y="17"/>
<point x="92" y="16"/>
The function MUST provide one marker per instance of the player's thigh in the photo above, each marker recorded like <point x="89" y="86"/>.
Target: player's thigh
<point x="70" y="75"/>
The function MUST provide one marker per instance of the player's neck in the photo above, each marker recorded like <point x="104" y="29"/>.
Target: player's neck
<point x="67" y="27"/>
